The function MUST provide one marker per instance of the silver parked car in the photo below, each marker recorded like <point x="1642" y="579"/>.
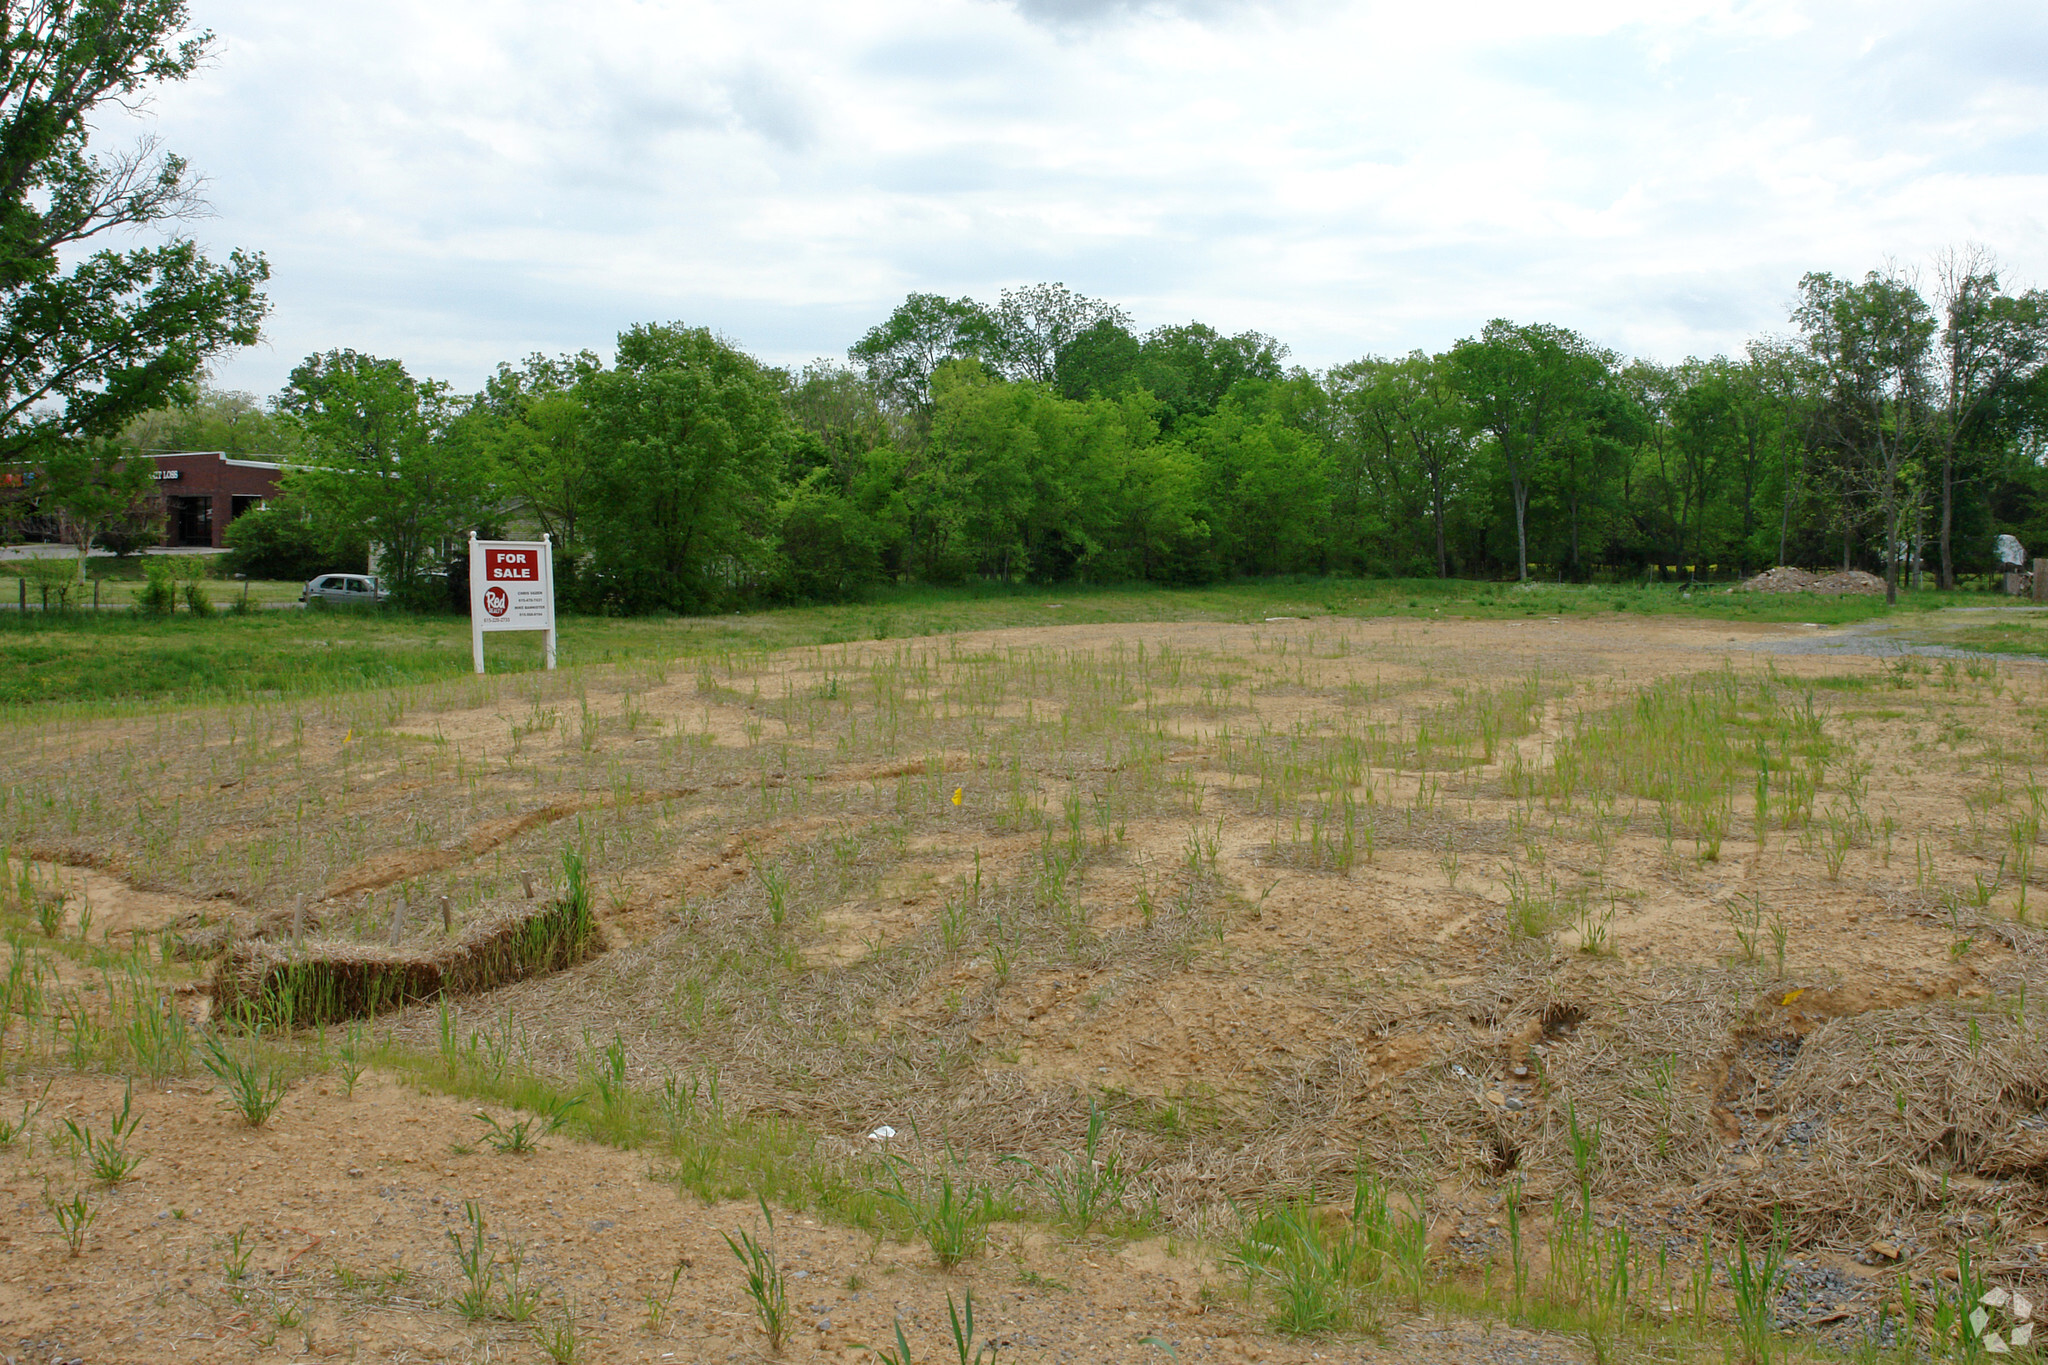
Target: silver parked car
<point x="345" y="589"/>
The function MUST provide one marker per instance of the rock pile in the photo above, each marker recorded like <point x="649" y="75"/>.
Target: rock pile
<point x="1835" y="584"/>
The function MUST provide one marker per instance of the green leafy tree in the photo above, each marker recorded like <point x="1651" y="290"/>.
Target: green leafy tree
<point x="932" y="510"/>
<point x="1376" y="489"/>
<point x="992" y="438"/>
<point x="284" y="539"/>
<point x="1155" y="527"/>
<point x="1778" y="409"/>
<point x="1763" y="418"/>
<point x="1412" y="433"/>
<point x="1707" y="440"/>
<point x="233" y="423"/>
<point x="90" y="338"/>
<point x="1190" y="368"/>
<point x="2015" y="480"/>
<point x="842" y="519"/>
<point x="1586" y="453"/>
<point x="1266" y="486"/>
<point x="93" y="486"/>
<point x="530" y="421"/>
<point x="688" y="442"/>
<point x="830" y="547"/>
<point x="1526" y="385"/>
<point x="381" y="460"/>
<point x="1869" y="344"/>
<point x="1101" y="361"/>
<point x="925" y="331"/>
<point x="840" y="407"/>
<point x="1991" y="345"/>
<point x="1029" y="327"/>
<point x="135" y="528"/>
<point x="1055" y="489"/>
<point x="1653" y="495"/>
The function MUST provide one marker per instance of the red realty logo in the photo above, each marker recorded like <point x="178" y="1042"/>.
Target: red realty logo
<point x="496" y="600"/>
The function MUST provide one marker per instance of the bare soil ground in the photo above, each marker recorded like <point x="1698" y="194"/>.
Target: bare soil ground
<point x="1655" y="913"/>
<point x="345" y="1204"/>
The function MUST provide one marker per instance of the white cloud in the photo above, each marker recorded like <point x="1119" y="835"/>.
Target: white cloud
<point x="468" y="182"/>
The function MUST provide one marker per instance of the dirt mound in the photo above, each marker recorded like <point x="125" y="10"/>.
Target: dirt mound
<point x="1835" y="584"/>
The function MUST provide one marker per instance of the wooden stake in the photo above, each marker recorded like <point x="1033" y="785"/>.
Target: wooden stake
<point x="526" y="880"/>
<point x="397" y="920"/>
<point x="447" y="916"/>
<point x="298" y="920"/>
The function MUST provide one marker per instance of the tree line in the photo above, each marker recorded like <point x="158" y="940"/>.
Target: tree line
<point x="1043" y="438"/>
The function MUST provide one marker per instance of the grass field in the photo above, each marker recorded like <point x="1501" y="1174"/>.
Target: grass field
<point x="73" y="657"/>
<point x="1613" y="969"/>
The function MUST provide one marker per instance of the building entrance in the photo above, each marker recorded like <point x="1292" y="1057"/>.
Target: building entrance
<point x="189" y="520"/>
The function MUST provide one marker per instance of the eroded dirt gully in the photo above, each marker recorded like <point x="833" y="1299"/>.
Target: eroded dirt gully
<point x="1284" y="899"/>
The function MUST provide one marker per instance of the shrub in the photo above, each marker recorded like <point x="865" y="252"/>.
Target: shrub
<point x="133" y="531"/>
<point x="282" y="542"/>
<point x="159" y="595"/>
<point x="56" y="579"/>
<point x="165" y="574"/>
<point x="828" y="545"/>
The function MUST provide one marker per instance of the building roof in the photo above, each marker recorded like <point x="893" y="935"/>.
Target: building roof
<point x="221" y="455"/>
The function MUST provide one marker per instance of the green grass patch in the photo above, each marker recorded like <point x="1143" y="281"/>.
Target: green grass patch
<point x="108" y="657"/>
<point x="2027" y="637"/>
<point x="701" y="1152"/>
<point x="112" y="657"/>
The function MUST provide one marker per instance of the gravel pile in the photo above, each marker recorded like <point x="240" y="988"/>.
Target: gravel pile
<point x="1835" y="584"/>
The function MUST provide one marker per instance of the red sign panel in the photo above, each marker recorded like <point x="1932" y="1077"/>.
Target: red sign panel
<point x="511" y="566"/>
<point x="495" y="601"/>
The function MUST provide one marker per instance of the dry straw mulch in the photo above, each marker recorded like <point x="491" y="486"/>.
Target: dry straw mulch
<point x="1874" y="1107"/>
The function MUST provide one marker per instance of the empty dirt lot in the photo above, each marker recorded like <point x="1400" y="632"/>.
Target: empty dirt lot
<point x="1495" y="976"/>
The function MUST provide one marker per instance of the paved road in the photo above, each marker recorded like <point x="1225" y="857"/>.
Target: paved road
<point x="36" y="550"/>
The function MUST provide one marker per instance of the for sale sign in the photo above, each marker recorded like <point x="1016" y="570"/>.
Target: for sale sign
<point x="519" y="566"/>
<point x="511" y="587"/>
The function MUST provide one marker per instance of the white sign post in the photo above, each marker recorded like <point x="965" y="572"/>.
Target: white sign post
<point x="511" y="587"/>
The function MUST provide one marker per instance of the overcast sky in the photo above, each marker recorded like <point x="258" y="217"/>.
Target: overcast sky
<point x="459" y="183"/>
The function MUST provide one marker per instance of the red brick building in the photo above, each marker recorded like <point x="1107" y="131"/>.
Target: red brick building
<point x="206" y="490"/>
